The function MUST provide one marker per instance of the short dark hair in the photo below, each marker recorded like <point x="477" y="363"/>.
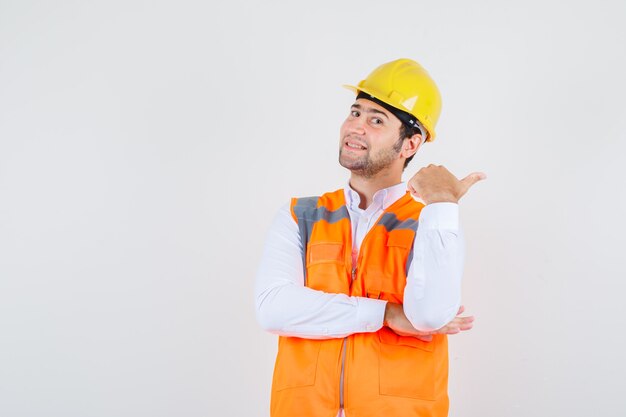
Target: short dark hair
<point x="407" y="131"/>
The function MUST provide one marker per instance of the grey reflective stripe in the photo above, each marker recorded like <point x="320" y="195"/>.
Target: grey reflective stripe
<point x="391" y="222"/>
<point x="304" y="205"/>
<point x="321" y="213"/>
<point x="308" y="214"/>
<point x="306" y="202"/>
<point x="301" y="207"/>
<point x="409" y="259"/>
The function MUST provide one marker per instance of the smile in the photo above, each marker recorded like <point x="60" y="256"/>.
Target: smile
<point x="356" y="146"/>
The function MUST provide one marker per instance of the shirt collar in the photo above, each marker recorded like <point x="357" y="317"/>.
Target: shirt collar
<point x="383" y="198"/>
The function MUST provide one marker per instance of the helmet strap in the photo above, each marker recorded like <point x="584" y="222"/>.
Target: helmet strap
<point x="405" y="117"/>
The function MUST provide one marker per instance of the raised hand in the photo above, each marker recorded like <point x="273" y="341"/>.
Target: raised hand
<point x="435" y="184"/>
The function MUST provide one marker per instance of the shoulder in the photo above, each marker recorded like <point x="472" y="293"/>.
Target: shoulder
<point x="301" y="206"/>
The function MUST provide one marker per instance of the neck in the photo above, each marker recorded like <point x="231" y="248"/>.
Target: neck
<point x="366" y="187"/>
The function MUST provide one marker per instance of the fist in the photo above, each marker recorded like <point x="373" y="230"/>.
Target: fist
<point x="435" y="184"/>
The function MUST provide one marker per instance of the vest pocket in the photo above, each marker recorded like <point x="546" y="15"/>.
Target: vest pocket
<point x="296" y="363"/>
<point x="395" y="264"/>
<point x="407" y="366"/>
<point x="326" y="269"/>
<point x="325" y="252"/>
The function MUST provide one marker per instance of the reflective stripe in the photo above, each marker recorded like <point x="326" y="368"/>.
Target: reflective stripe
<point x="313" y="215"/>
<point x="306" y="202"/>
<point x="308" y="214"/>
<point x="409" y="259"/>
<point x="391" y="222"/>
<point x="300" y="209"/>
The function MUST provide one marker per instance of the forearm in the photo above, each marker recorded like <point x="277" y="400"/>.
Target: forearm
<point x="291" y="310"/>
<point x="286" y="307"/>
<point x="432" y="295"/>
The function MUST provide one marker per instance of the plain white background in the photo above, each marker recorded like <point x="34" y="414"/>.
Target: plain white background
<point x="146" y="145"/>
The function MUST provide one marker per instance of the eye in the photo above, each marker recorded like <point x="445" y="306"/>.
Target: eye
<point x="377" y="121"/>
<point x="354" y="113"/>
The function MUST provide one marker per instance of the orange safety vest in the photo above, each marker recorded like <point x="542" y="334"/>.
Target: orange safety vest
<point x="368" y="374"/>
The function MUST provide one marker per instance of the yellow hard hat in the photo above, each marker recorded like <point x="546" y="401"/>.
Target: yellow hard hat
<point x="405" y="85"/>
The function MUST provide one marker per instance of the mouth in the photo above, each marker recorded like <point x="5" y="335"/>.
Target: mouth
<point x="353" y="146"/>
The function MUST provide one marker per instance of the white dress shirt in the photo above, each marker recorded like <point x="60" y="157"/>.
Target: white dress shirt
<point x="432" y="295"/>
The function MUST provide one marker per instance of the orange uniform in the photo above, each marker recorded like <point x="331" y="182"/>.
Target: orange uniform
<point x="368" y="374"/>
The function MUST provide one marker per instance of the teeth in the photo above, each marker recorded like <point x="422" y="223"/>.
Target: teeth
<point x="355" y="146"/>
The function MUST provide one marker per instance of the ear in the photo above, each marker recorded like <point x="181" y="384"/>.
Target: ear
<point x="411" y="145"/>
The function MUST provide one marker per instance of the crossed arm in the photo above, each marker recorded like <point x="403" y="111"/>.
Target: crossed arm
<point x="432" y="295"/>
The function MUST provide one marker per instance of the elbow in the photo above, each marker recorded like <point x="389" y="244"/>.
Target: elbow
<point x="431" y="320"/>
<point x="427" y="324"/>
<point x="268" y="321"/>
<point x="268" y="316"/>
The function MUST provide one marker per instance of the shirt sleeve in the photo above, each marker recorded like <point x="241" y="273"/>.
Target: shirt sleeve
<point x="286" y="307"/>
<point x="432" y="295"/>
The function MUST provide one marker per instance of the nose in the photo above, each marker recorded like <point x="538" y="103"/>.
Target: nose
<point x="355" y="125"/>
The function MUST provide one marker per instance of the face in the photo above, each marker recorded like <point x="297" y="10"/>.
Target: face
<point x="370" y="139"/>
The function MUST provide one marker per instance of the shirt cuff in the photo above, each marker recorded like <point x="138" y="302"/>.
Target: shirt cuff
<point x="371" y="313"/>
<point x="441" y="216"/>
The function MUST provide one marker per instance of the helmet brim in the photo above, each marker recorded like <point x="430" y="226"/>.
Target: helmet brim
<point x="374" y="94"/>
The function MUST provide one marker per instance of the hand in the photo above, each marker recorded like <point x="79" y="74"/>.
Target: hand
<point x="397" y="321"/>
<point x="435" y="184"/>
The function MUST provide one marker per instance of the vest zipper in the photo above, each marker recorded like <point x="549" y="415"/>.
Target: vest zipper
<point x="345" y="339"/>
<point x="343" y="364"/>
<point x="343" y="357"/>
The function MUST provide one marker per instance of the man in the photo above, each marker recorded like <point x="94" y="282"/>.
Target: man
<point x="363" y="284"/>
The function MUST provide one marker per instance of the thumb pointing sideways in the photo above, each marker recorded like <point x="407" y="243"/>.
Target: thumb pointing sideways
<point x="472" y="179"/>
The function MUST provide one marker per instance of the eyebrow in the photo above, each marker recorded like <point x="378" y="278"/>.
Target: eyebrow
<point x="370" y="110"/>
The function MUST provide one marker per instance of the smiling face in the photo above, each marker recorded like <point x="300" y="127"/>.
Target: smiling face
<point x="370" y="140"/>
